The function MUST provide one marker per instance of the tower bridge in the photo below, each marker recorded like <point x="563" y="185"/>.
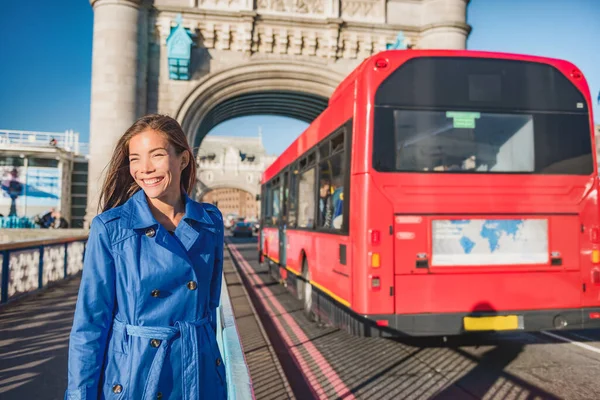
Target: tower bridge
<point x="207" y="61"/>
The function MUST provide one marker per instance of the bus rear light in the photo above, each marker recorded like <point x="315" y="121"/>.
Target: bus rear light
<point x="595" y="315"/>
<point x="576" y="74"/>
<point x="595" y="235"/>
<point x="595" y="276"/>
<point x="422" y="261"/>
<point x="595" y="256"/>
<point x="375" y="283"/>
<point x="375" y="260"/>
<point x="382" y="322"/>
<point x="375" y="237"/>
<point x="381" y="63"/>
<point x="555" y="258"/>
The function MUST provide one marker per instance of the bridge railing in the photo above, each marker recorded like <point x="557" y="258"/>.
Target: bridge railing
<point x="28" y="266"/>
<point x="239" y="383"/>
<point x="31" y="265"/>
<point x="68" y="140"/>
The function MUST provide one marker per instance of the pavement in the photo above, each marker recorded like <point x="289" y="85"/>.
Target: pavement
<point x="34" y="339"/>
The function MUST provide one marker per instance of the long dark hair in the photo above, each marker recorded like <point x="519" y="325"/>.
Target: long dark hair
<point x="119" y="185"/>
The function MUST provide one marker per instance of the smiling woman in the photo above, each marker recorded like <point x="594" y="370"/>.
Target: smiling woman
<point x="156" y="135"/>
<point x="145" y="321"/>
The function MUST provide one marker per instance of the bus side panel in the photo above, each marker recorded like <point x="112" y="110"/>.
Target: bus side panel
<point x="328" y="272"/>
<point x="271" y="243"/>
<point x="418" y="294"/>
<point x="298" y="243"/>
<point x="590" y="271"/>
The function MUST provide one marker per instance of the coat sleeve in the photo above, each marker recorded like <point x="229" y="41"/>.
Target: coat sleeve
<point x="93" y="316"/>
<point x="217" y="277"/>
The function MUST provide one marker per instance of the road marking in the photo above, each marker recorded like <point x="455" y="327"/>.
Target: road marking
<point x="321" y="363"/>
<point x="576" y="343"/>
<point x="583" y="337"/>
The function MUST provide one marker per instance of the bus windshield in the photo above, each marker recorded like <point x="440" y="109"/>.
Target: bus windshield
<point x="458" y="141"/>
<point x="481" y="116"/>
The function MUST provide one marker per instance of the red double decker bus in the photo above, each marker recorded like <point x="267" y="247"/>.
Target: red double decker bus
<point x="442" y="192"/>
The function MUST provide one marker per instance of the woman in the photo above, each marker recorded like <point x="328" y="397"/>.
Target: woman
<point x="145" y="320"/>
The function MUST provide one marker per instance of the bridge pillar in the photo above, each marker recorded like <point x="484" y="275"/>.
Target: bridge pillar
<point x="444" y="25"/>
<point x="114" y="85"/>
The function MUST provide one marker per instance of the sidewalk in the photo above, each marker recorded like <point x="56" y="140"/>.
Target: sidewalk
<point x="34" y="337"/>
<point x="268" y="378"/>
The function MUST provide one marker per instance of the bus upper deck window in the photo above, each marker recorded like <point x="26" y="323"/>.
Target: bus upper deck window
<point x="485" y="87"/>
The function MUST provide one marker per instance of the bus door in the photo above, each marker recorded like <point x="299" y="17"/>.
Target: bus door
<point x="283" y="220"/>
<point x="261" y="237"/>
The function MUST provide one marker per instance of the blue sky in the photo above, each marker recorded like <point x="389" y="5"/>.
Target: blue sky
<point x="46" y="49"/>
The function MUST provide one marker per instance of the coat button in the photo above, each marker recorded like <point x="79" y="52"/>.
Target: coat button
<point x="155" y="293"/>
<point x="150" y="232"/>
<point x="218" y="362"/>
<point x="155" y="343"/>
<point x="117" y="389"/>
<point x="192" y="285"/>
<point x="158" y="396"/>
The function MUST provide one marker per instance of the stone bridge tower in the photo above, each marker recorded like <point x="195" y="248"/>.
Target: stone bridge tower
<point x="280" y="57"/>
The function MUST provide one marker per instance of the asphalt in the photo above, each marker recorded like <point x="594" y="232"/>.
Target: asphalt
<point x="336" y="365"/>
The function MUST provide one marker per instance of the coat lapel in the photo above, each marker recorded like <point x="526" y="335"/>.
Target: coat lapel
<point x="170" y="243"/>
<point x="136" y="215"/>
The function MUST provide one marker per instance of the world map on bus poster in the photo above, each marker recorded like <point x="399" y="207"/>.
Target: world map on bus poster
<point x="489" y="242"/>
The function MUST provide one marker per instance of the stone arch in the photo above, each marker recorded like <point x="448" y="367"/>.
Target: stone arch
<point x="246" y="206"/>
<point x="202" y="190"/>
<point x="306" y="85"/>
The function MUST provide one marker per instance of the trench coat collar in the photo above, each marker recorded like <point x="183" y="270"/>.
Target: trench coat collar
<point x="136" y="212"/>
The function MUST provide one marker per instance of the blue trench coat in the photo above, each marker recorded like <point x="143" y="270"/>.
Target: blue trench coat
<point x="145" y="319"/>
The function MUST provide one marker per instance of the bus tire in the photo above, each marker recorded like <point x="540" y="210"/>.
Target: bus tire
<point x="271" y="269"/>
<point x="308" y="295"/>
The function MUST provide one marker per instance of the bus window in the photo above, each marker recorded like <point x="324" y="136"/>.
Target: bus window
<point x="276" y="202"/>
<point x="267" y="205"/>
<point x="337" y="143"/>
<point x="324" y="150"/>
<point x="285" y="194"/>
<point x="306" y="199"/>
<point x="293" y="190"/>
<point x="490" y="143"/>
<point x="494" y="116"/>
<point x="331" y="188"/>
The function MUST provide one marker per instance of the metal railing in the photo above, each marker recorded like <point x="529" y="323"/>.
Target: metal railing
<point x="32" y="265"/>
<point x="68" y="140"/>
<point x="239" y="384"/>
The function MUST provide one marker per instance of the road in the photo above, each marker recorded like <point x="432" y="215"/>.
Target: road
<point x="333" y="364"/>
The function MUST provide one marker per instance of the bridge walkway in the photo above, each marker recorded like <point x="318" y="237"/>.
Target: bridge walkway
<point x="34" y="339"/>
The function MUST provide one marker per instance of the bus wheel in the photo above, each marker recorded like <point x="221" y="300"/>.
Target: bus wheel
<point x="307" y="295"/>
<point x="300" y="285"/>
<point x="272" y="269"/>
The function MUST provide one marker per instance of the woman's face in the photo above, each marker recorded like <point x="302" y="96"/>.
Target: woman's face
<point x="155" y="166"/>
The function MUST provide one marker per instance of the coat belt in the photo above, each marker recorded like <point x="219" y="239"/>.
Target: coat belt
<point x="190" y="386"/>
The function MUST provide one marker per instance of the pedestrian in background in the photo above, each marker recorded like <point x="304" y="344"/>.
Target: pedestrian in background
<point x="145" y="319"/>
